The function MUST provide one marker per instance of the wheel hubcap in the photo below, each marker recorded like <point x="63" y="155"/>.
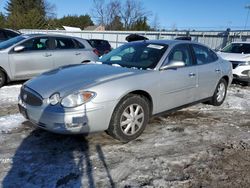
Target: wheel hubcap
<point x="1" y="79"/>
<point x="221" y="91"/>
<point x="132" y="119"/>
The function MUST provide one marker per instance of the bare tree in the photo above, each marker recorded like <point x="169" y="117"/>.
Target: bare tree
<point x="115" y="11"/>
<point x="155" y="24"/>
<point x="132" y="11"/>
<point x="99" y="11"/>
<point x="50" y="9"/>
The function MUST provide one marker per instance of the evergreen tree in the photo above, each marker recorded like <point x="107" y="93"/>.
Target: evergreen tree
<point x="2" y="20"/>
<point x="141" y="25"/>
<point x="116" y="24"/>
<point x="73" y="21"/>
<point x="26" y="14"/>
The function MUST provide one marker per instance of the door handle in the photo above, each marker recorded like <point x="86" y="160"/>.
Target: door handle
<point x="217" y="70"/>
<point x="191" y="74"/>
<point x="78" y="53"/>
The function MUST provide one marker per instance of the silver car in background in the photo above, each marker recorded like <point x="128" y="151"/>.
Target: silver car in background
<point x="26" y="56"/>
<point x="130" y="84"/>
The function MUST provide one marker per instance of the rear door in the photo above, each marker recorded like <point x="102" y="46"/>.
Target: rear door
<point x="178" y="86"/>
<point x="36" y="58"/>
<point x="209" y="71"/>
<point x="66" y="52"/>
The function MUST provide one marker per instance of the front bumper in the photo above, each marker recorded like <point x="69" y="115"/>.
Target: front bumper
<point x="240" y="73"/>
<point x="86" y="119"/>
<point x="242" y="78"/>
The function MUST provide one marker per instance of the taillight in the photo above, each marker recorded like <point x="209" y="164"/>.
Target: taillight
<point x="96" y="51"/>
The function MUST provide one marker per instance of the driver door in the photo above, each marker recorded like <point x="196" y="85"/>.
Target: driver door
<point x="178" y="85"/>
<point x="35" y="59"/>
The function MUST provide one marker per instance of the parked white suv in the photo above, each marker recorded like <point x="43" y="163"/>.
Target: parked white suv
<point x="239" y="54"/>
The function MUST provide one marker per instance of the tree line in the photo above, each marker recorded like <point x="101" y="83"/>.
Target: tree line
<point x="113" y="14"/>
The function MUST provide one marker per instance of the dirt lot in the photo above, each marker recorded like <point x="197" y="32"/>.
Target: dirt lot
<point x="201" y="146"/>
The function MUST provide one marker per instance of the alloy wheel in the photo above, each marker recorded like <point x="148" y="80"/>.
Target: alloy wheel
<point x="221" y="91"/>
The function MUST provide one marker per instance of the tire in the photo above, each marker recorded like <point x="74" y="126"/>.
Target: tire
<point x="133" y="125"/>
<point x="2" y="78"/>
<point x="220" y="93"/>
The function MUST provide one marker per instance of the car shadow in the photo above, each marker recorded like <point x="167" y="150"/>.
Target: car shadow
<point x="45" y="159"/>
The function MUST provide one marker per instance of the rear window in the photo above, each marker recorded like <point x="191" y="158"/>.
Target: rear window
<point x="203" y="54"/>
<point x="2" y="36"/>
<point x="238" y="48"/>
<point x="98" y="43"/>
<point x="64" y="43"/>
<point x="79" y="45"/>
<point x="11" y="34"/>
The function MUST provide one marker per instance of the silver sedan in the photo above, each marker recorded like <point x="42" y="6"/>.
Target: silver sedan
<point x="121" y="92"/>
<point x="26" y="56"/>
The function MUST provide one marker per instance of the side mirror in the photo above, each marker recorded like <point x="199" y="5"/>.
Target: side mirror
<point x="173" y="65"/>
<point x="19" y="48"/>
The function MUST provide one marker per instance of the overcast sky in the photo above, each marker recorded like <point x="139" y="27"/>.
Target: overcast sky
<point x="199" y="14"/>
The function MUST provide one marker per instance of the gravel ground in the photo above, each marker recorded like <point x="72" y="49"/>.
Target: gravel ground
<point x="200" y="146"/>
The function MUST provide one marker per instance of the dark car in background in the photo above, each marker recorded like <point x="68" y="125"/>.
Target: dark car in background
<point x="102" y="46"/>
<point x="6" y="34"/>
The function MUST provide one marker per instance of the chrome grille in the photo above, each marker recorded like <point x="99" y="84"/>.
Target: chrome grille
<point x="30" y="97"/>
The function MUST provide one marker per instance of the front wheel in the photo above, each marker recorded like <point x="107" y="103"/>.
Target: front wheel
<point x="2" y="78"/>
<point x="220" y="93"/>
<point x="130" y="118"/>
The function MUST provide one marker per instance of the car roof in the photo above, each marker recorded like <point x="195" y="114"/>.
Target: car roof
<point x="98" y="39"/>
<point x="166" y="42"/>
<point x="51" y="35"/>
<point x="6" y="29"/>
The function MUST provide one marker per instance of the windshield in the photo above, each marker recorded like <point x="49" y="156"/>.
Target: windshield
<point x="139" y="55"/>
<point x="239" y="48"/>
<point x="10" y="42"/>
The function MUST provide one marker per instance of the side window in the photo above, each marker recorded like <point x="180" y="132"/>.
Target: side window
<point x="35" y="44"/>
<point x="203" y="54"/>
<point x="181" y="53"/>
<point x="10" y="34"/>
<point x="2" y="36"/>
<point x="64" y="43"/>
<point x="79" y="45"/>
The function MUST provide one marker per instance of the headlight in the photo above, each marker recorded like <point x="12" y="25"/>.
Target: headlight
<point x="54" y="99"/>
<point x="77" y="99"/>
<point x="245" y="63"/>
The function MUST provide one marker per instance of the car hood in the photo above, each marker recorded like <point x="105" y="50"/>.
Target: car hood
<point x="68" y="79"/>
<point x="234" y="56"/>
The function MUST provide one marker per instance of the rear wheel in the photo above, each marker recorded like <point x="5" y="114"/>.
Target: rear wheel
<point x="219" y="94"/>
<point x="2" y="78"/>
<point x="129" y="119"/>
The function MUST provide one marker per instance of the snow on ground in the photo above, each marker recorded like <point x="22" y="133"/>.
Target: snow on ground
<point x="200" y="146"/>
<point x="9" y="95"/>
<point x="10" y="122"/>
